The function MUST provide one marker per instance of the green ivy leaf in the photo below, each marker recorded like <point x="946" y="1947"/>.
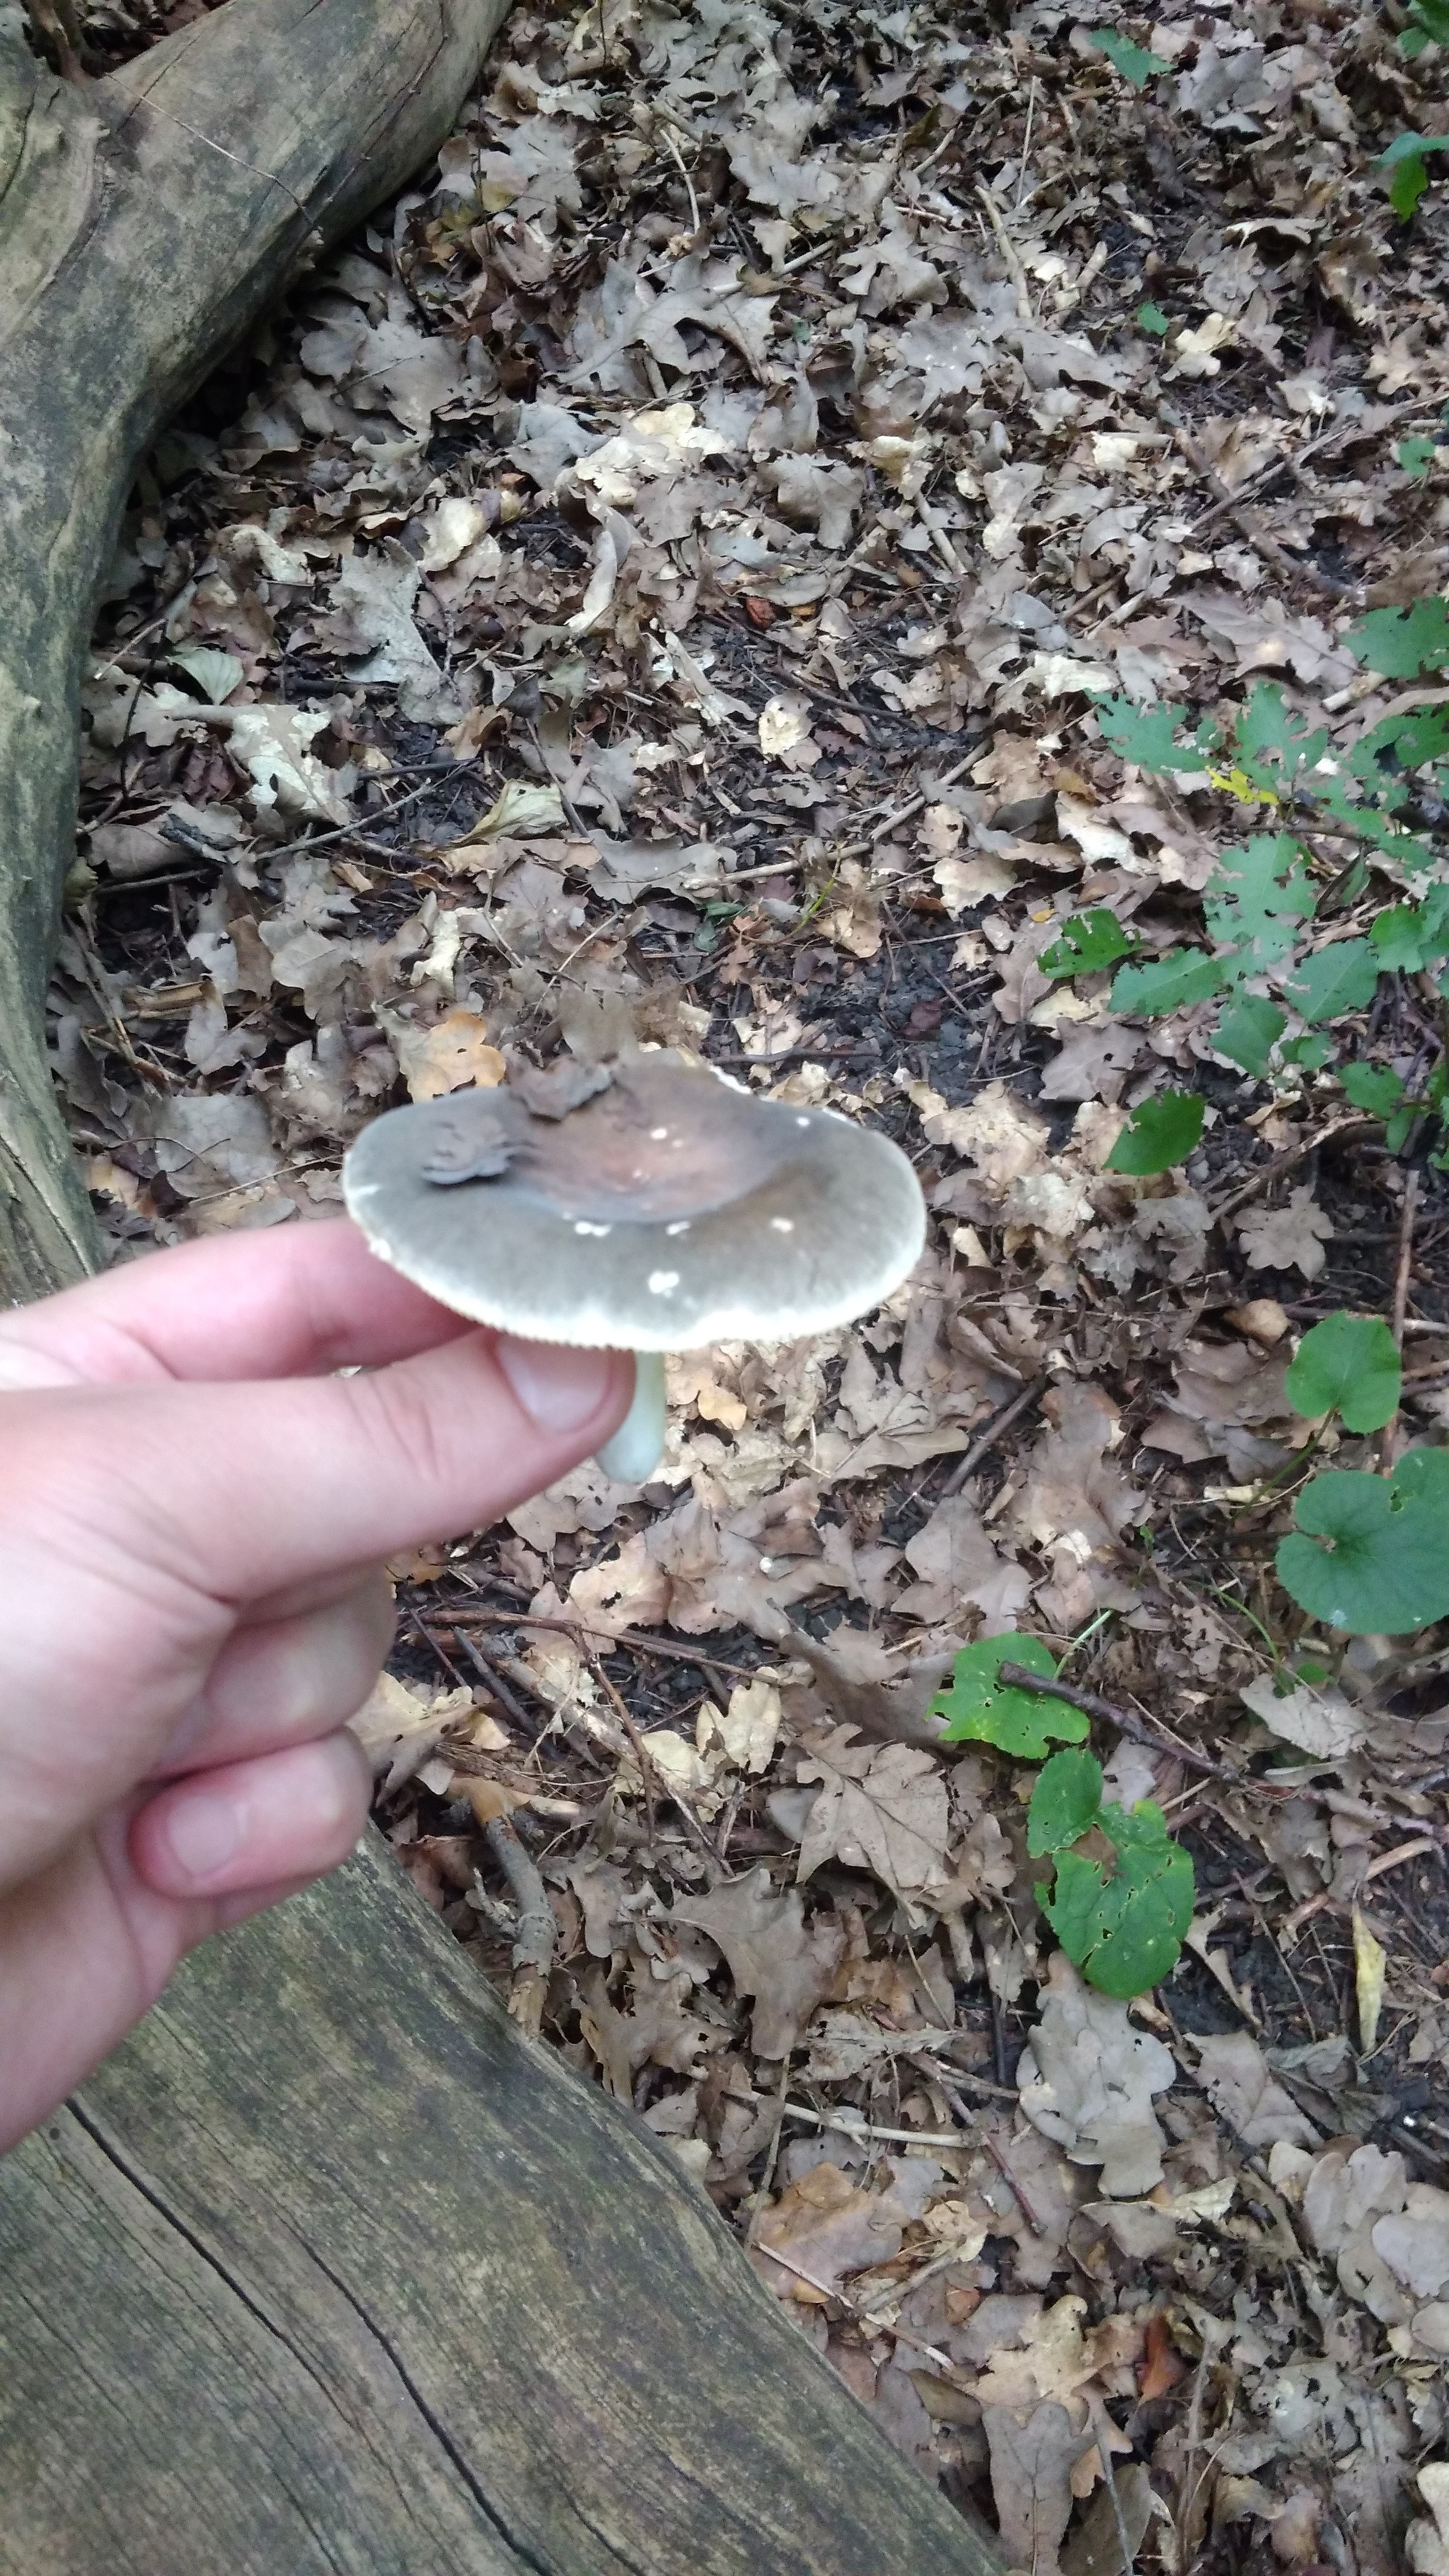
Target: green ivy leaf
<point x="1134" y="62"/>
<point x="1371" y="1554"/>
<point x="1146" y="735"/>
<point x="1159" y="1133"/>
<point x="1399" y="1127"/>
<point x="1125" y="1932"/>
<point x="1183" y="975"/>
<point x="1254" y="899"/>
<point x="1150" y="317"/>
<point x="1089" y="941"/>
<point x="1373" y="1087"/>
<point x="1402" y="642"/>
<point x="1272" y="740"/>
<point x="1407" y="170"/>
<point x="980" y="1709"/>
<point x="1342" y="978"/>
<point x="1414" y="456"/>
<point x="1248" y="1031"/>
<point x="1346" y="1365"/>
<point x="1064" y="1803"/>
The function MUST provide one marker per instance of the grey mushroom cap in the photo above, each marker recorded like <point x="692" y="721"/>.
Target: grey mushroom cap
<point x="670" y="1209"/>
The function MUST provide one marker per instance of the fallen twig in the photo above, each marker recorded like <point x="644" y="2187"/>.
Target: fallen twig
<point x="1000" y="1422"/>
<point x="536" y="1930"/>
<point x="1142" y="1730"/>
<point x="1286" y="1161"/>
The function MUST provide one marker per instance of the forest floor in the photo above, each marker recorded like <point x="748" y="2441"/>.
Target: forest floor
<point x="653" y="589"/>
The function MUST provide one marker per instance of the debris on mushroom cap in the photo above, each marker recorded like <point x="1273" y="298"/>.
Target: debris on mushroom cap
<point x="660" y="1209"/>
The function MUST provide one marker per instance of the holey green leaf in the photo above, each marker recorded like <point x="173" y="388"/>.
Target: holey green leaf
<point x="1124" y="1931"/>
<point x="1160" y="1132"/>
<point x="1134" y="62"/>
<point x="1065" y="1802"/>
<point x="1184" y="975"/>
<point x="1347" y="1365"/>
<point x="1402" y="642"/>
<point x="1371" y="1553"/>
<point x="980" y="1709"/>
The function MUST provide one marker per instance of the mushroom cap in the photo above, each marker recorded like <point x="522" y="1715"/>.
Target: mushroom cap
<point x="670" y="1209"/>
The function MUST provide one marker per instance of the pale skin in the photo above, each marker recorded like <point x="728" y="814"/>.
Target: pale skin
<point x="194" y="1512"/>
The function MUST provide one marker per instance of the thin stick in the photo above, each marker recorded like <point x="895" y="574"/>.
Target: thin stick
<point x="1287" y="1161"/>
<point x="767" y="2177"/>
<point x="1201" y="463"/>
<point x="999" y="1423"/>
<point x="625" y="1643"/>
<point x="1105" y="2429"/>
<point x="1010" y="254"/>
<point x="1402" y="1269"/>
<point x="537" y="1931"/>
<point x="912" y="805"/>
<point x="1145" y="1731"/>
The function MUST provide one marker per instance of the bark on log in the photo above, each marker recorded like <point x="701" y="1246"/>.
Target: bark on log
<point x="332" y="2272"/>
<point x="145" y="221"/>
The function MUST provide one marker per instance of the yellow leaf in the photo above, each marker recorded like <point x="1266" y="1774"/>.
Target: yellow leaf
<point x="1236" y="782"/>
<point x="449" y="1055"/>
<point x="1370" y="1959"/>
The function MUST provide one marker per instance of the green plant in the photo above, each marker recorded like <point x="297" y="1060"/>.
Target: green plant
<point x="1121" y="1920"/>
<point x="1370" y="1554"/>
<point x="1134" y="62"/>
<point x="1272" y="952"/>
<point x="1150" y="317"/>
<point x="981" y="1709"/>
<point x="1346" y="1365"/>
<point x="1429" y="25"/>
<point x="1404" y="162"/>
<point x="1120" y="1917"/>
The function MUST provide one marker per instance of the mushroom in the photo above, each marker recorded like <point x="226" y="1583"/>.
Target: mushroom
<point x="650" y="1206"/>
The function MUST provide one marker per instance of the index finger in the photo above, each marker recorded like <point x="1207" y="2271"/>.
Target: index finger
<point x="295" y="1301"/>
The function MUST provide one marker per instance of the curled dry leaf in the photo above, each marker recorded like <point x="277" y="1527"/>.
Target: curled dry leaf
<point x="1087" y="2080"/>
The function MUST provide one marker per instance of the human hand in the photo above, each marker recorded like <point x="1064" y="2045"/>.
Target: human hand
<point x="193" y="1515"/>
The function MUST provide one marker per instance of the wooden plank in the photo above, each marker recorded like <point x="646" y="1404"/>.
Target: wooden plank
<point x="331" y="2269"/>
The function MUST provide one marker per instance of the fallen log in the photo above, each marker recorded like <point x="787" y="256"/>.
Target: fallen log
<point x="145" y="221"/>
<point x="330" y="2268"/>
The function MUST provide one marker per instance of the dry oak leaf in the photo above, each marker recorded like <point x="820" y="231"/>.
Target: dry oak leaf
<point x="829" y="2227"/>
<point x="1031" y="2474"/>
<point x="1243" y="2089"/>
<point x="1290" y="1237"/>
<point x="449" y="1056"/>
<point x="881" y="1807"/>
<point x="957" y="1561"/>
<point x="772" y="1955"/>
<point x="1087" y="2078"/>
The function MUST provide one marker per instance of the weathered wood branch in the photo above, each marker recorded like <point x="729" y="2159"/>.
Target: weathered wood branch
<point x="145" y="221"/>
<point x="332" y="2269"/>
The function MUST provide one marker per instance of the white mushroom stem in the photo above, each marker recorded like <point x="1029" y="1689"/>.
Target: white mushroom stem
<point x="633" y="1452"/>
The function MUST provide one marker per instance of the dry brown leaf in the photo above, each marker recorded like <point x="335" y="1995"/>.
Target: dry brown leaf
<point x="881" y="1807"/>
<point x="829" y="2228"/>
<point x="773" y="1955"/>
<point x="1087" y="2078"/>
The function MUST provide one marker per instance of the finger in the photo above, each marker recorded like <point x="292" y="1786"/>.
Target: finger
<point x="252" y="1824"/>
<point x="289" y="1302"/>
<point x="234" y="1493"/>
<point x="284" y="1681"/>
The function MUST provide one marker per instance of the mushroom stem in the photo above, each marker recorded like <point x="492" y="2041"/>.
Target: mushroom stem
<point x="632" y="1453"/>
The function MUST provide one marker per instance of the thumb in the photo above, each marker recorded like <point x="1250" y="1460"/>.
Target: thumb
<point x="243" y="1491"/>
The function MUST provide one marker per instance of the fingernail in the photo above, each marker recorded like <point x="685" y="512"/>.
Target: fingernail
<point x="558" y="1388"/>
<point x="204" y="1832"/>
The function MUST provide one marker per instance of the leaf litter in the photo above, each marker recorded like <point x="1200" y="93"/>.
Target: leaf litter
<point x="651" y="589"/>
